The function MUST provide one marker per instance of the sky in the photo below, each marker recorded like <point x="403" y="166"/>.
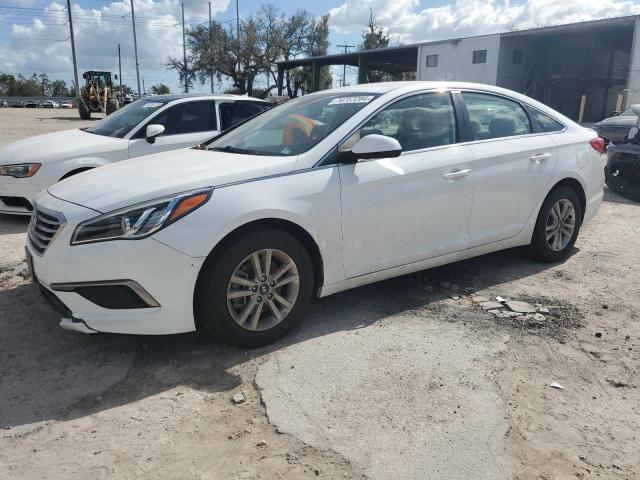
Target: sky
<point x="34" y="33"/>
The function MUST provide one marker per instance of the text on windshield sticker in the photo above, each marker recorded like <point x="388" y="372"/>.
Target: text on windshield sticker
<point x="359" y="99"/>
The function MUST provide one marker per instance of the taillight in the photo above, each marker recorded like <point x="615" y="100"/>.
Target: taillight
<point x="598" y="144"/>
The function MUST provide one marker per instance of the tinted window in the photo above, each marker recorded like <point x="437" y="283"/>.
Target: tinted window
<point x="188" y="117"/>
<point x="479" y="56"/>
<point x="237" y="112"/>
<point x="545" y="122"/>
<point x="495" y="117"/>
<point x="417" y="122"/>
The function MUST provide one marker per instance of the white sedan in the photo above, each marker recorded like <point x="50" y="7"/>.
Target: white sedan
<point x="147" y="126"/>
<point x="327" y="192"/>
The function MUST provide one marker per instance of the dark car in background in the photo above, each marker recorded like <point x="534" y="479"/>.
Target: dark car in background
<point x="622" y="173"/>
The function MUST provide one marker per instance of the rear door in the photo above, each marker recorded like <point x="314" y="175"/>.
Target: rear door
<point x="513" y="163"/>
<point x="186" y="124"/>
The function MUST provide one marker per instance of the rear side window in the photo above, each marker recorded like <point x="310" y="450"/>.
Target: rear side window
<point x="188" y="117"/>
<point x="237" y="112"/>
<point x="495" y="117"/>
<point x="417" y="122"/>
<point x="545" y="122"/>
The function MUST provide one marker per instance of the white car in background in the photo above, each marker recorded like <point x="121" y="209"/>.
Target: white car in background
<point x="327" y="192"/>
<point x="146" y="126"/>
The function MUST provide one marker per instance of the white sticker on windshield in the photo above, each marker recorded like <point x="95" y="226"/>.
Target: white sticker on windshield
<point x="152" y="105"/>
<point x="359" y="99"/>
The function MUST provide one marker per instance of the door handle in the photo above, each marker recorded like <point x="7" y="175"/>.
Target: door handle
<point x="456" y="174"/>
<point x="541" y="157"/>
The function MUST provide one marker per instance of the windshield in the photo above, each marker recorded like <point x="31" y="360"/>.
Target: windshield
<point x="295" y="127"/>
<point x="119" y="123"/>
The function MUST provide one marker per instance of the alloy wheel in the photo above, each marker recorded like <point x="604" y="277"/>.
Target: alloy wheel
<point x="263" y="289"/>
<point x="560" y="225"/>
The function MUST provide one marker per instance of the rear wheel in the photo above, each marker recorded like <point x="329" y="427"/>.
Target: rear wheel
<point x="256" y="289"/>
<point x="557" y="226"/>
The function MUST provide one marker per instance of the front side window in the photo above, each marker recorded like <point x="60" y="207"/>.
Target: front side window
<point x="294" y="127"/>
<point x="495" y="117"/>
<point x="421" y="121"/>
<point x="546" y="123"/>
<point x="479" y="56"/>
<point x="432" y="60"/>
<point x="188" y="117"/>
<point x="119" y="123"/>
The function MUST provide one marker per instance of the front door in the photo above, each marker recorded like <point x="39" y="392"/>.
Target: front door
<point x="401" y="210"/>
<point x="186" y="124"/>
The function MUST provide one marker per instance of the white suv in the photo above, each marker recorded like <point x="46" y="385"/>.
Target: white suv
<point x="150" y="125"/>
<point x="327" y="192"/>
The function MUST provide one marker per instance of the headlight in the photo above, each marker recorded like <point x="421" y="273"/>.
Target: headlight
<point x="140" y="221"/>
<point x="21" y="170"/>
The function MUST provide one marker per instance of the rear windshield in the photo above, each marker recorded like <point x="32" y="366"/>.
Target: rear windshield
<point x="294" y="127"/>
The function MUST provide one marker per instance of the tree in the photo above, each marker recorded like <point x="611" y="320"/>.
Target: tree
<point x="374" y="37"/>
<point x="265" y="38"/>
<point x="59" y="89"/>
<point x="160" y="89"/>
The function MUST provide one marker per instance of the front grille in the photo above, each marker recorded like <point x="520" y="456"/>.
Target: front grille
<point x="18" y="202"/>
<point x="43" y="228"/>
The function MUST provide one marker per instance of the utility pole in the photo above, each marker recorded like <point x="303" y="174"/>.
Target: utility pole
<point x="144" y="90"/>
<point x="210" y="25"/>
<point x="81" y="106"/>
<point x="135" y="49"/>
<point x="238" y="29"/>
<point x="120" y="73"/>
<point x="184" y="51"/>
<point x="344" y="66"/>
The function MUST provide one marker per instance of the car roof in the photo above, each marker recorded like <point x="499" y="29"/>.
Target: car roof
<point x="208" y="96"/>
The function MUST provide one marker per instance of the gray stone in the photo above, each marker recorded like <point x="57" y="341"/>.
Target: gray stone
<point x="543" y="310"/>
<point x="238" y="398"/>
<point x="495" y="312"/>
<point x="479" y="298"/>
<point x="455" y="297"/>
<point x="520" y="307"/>
<point x="490" y="305"/>
<point x="539" y="317"/>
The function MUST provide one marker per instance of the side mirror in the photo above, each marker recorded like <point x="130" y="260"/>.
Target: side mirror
<point x="371" y="147"/>
<point x="153" y="131"/>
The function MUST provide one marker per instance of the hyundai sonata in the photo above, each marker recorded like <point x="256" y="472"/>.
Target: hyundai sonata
<point x="327" y="192"/>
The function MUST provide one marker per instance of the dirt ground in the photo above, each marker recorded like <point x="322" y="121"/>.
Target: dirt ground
<point x="407" y="378"/>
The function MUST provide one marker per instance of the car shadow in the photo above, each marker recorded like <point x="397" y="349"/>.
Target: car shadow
<point x="12" y="224"/>
<point x="47" y="373"/>
<point x="613" y="197"/>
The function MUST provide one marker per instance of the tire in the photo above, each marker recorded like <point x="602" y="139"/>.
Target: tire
<point x="215" y="312"/>
<point x="112" y="106"/>
<point x="83" y="110"/>
<point x="547" y="250"/>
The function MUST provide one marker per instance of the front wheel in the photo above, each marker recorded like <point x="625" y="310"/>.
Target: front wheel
<point x="557" y="226"/>
<point x="255" y="289"/>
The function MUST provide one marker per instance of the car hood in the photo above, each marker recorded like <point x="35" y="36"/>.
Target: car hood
<point x="153" y="176"/>
<point x="58" y="145"/>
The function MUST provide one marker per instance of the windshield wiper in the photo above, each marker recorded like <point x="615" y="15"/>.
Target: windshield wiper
<point x="230" y="149"/>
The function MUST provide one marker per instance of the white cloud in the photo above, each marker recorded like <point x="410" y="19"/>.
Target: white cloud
<point x="408" y="22"/>
<point x="40" y="44"/>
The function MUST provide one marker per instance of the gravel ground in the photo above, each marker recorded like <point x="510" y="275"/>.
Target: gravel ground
<point x="408" y="378"/>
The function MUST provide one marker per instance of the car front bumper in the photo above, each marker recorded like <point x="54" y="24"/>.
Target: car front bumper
<point x="166" y="279"/>
<point x="16" y="193"/>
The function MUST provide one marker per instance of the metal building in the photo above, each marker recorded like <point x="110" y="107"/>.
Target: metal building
<point x="585" y="70"/>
